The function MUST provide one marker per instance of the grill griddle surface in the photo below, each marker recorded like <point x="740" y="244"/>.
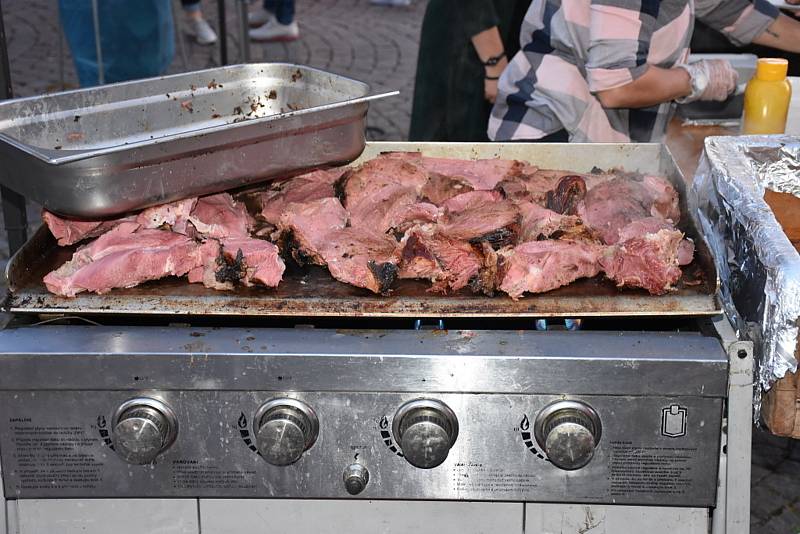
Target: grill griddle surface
<point x="311" y="291"/>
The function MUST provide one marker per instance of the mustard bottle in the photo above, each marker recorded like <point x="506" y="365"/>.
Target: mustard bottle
<point x="766" y="99"/>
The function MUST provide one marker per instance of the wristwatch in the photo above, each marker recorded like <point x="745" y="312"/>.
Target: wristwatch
<point x="698" y="79"/>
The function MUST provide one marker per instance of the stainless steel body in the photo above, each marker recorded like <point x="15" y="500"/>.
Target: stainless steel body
<point x="99" y="152"/>
<point x="313" y="292"/>
<point x="62" y="386"/>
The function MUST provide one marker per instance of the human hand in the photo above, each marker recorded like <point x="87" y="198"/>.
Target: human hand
<point x="490" y="85"/>
<point x="721" y="76"/>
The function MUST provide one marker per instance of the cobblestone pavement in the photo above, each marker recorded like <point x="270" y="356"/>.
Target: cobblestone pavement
<point x="378" y="45"/>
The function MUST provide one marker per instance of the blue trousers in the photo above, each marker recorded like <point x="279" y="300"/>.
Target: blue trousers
<point x="282" y="9"/>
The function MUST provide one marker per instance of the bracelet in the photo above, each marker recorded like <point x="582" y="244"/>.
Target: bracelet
<point x="492" y="78"/>
<point x="494" y="60"/>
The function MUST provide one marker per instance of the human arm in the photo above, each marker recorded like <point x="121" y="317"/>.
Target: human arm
<point x="783" y="34"/>
<point x="480" y="23"/>
<point x="488" y="45"/>
<point x="654" y="86"/>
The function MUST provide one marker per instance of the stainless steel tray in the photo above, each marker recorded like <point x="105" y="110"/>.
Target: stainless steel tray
<point x="103" y="151"/>
<point x="311" y="291"/>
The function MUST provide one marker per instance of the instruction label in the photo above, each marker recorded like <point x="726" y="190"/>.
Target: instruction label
<point x="650" y="469"/>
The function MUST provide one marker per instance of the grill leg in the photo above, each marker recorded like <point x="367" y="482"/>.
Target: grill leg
<point x="223" y="36"/>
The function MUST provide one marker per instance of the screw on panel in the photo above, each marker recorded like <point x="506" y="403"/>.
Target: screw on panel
<point x="742" y="354"/>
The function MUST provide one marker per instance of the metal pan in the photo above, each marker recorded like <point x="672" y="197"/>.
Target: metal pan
<point x="104" y="151"/>
<point x="313" y="292"/>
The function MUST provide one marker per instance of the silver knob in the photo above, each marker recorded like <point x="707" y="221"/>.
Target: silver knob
<point x="356" y="478"/>
<point x="568" y="431"/>
<point x="142" y="429"/>
<point x="425" y="430"/>
<point x="285" y="428"/>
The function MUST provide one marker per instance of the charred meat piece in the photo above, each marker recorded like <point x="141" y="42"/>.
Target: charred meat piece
<point x="480" y="216"/>
<point x="304" y="228"/>
<point x="439" y="188"/>
<point x="540" y="266"/>
<point x="124" y="257"/>
<point x="450" y="264"/>
<point x="611" y="205"/>
<point x="259" y="260"/>
<point x="361" y="258"/>
<point x="314" y="185"/>
<point x="649" y="261"/>
<point x="564" y="199"/>
<point x="219" y="216"/>
<point x="481" y="174"/>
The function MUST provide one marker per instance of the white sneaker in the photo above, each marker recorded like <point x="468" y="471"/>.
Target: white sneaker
<point x="274" y="31"/>
<point x="203" y="33"/>
<point x="259" y="17"/>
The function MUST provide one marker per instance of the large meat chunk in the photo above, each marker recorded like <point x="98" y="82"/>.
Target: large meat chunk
<point x="314" y="185"/>
<point x="361" y="258"/>
<point x="238" y="260"/>
<point x="304" y="228"/>
<point x="378" y="179"/>
<point x="219" y="216"/>
<point x="449" y="263"/>
<point x="612" y="204"/>
<point x="124" y="257"/>
<point x="649" y="261"/>
<point x="567" y="194"/>
<point x="482" y="174"/>
<point x="540" y="266"/>
<point x="480" y="216"/>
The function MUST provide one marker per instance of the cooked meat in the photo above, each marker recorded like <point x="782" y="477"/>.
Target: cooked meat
<point x="541" y="223"/>
<point x="124" y="257"/>
<point x="304" y="228"/>
<point x="649" y="261"/>
<point x="379" y="179"/>
<point x="652" y="225"/>
<point x="564" y="198"/>
<point x="70" y="231"/>
<point x="212" y="269"/>
<point x="439" y="188"/>
<point x="304" y="188"/>
<point x="258" y="261"/>
<point x="219" y="216"/>
<point x="481" y="216"/>
<point x="612" y="204"/>
<point x="401" y="218"/>
<point x="481" y="174"/>
<point x="382" y="211"/>
<point x="174" y="215"/>
<point x="361" y="258"/>
<point x="450" y="264"/>
<point x="540" y="266"/>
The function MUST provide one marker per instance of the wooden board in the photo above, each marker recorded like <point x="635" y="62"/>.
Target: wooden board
<point x="781" y="405"/>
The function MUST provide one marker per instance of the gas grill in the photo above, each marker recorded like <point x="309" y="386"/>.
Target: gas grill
<point x="319" y="407"/>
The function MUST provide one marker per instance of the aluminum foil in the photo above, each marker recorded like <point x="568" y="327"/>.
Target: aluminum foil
<point x="758" y="266"/>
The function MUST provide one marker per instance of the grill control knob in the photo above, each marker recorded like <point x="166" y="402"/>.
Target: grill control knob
<point x="568" y="431"/>
<point x="425" y="430"/>
<point x="142" y="428"/>
<point x="356" y="478"/>
<point x="285" y="428"/>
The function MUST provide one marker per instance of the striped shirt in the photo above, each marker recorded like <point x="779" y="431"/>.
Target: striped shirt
<point x="571" y="49"/>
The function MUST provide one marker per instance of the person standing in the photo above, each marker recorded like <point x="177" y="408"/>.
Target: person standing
<point x="612" y="70"/>
<point x="274" y="22"/>
<point x="199" y="27"/>
<point x="464" y="46"/>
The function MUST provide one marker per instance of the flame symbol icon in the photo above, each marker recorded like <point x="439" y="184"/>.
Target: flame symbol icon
<point x="524" y="425"/>
<point x="384" y="423"/>
<point x="242" y="422"/>
<point x="101" y="421"/>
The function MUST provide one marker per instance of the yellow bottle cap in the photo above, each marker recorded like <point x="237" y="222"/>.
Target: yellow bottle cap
<point x="772" y="69"/>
